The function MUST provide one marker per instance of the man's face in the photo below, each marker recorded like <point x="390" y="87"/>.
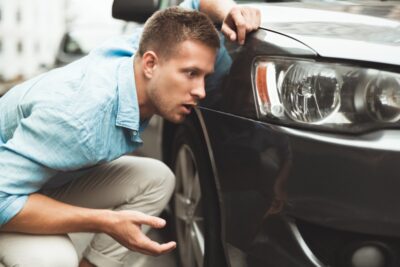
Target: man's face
<point x="178" y="82"/>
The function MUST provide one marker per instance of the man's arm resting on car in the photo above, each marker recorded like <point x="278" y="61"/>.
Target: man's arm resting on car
<point x="236" y="20"/>
<point x="43" y="215"/>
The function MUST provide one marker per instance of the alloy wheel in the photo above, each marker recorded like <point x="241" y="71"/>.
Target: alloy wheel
<point x="188" y="209"/>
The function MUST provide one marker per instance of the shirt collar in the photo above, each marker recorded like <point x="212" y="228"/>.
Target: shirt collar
<point x="128" y="115"/>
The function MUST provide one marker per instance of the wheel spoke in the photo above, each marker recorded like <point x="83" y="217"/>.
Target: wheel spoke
<point x="197" y="243"/>
<point x="181" y="203"/>
<point x="186" y="173"/>
<point x="182" y="170"/>
<point x="188" y="243"/>
<point x="189" y="186"/>
<point x="188" y="209"/>
<point x="180" y="163"/>
<point x="196" y="191"/>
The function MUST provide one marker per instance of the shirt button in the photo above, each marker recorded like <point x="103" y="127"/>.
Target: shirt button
<point x="135" y="133"/>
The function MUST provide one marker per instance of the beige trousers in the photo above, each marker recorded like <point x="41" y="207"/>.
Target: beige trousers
<point x="128" y="183"/>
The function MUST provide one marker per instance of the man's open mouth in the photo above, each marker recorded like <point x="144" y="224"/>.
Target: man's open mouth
<point x="188" y="108"/>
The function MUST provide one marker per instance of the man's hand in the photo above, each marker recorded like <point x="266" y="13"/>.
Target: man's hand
<point x="239" y="21"/>
<point x="236" y="20"/>
<point x="123" y="226"/>
<point x="126" y="229"/>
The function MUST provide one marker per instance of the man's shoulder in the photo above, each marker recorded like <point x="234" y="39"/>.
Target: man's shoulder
<point x="119" y="46"/>
<point x="77" y="92"/>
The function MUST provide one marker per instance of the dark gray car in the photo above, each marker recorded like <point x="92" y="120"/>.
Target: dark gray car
<point x="292" y="158"/>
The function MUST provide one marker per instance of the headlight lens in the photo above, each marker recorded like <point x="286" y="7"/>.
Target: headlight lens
<point x="310" y="92"/>
<point x="326" y="95"/>
<point x="383" y="98"/>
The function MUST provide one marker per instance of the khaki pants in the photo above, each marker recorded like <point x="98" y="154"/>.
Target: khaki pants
<point x="128" y="183"/>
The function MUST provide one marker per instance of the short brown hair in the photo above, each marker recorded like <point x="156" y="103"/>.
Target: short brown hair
<point x="169" y="27"/>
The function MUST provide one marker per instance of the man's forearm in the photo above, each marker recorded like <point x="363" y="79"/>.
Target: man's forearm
<point x="216" y="9"/>
<point x="43" y="215"/>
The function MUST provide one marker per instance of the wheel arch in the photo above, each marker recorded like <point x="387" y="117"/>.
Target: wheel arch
<point x="168" y="131"/>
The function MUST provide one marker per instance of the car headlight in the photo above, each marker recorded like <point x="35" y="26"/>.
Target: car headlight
<point x="326" y="95"/>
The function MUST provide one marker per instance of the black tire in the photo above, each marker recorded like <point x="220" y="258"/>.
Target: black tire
<point x="188" y="140"/>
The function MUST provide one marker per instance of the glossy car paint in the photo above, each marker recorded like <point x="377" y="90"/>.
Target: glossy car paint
<point x="356" y="32"/>
<point x="291" y="196"/>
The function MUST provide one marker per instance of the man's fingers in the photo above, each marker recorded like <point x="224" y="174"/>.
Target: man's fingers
<point x="252" y="17"/>
<point x="241" y="33"/>
<point x="240" y="24"/>
<point x="228" y="32"/>
<point x="163" y="249"/>
<point x="151" y="247"/>
<point x="168" y="247"/>
<point x="152" y="221"/>
<point x="256" y="21"/>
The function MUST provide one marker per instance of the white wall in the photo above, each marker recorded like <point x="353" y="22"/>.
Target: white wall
<point x="41" y="25"/>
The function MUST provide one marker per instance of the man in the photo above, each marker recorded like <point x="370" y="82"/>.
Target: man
<point x="62" y="136"/>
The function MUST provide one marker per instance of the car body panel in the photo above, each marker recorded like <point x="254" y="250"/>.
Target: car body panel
<point x="261" y="167"/>
<point x="347" y="31"/>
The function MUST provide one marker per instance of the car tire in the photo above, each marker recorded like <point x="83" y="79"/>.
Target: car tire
<point x="195" y="202"/>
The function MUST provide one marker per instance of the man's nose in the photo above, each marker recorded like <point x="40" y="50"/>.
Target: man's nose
<point x="199" y="91"/>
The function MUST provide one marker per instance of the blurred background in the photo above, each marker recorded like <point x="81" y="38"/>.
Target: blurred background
<point x="37" y="35"/>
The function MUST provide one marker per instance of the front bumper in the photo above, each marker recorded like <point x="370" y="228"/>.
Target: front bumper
<point x="330" y="187"/>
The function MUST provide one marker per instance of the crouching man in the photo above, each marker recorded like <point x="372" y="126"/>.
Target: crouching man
<point x="63" y="136"/>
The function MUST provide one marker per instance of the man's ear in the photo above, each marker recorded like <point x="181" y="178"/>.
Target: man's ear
<point x="149" y="63"/>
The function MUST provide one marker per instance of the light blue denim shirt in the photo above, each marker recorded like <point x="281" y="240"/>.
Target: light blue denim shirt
<point x="70" y="118"/>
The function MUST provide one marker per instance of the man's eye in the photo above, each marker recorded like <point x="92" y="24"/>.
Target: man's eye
<point x="191" y="73"/>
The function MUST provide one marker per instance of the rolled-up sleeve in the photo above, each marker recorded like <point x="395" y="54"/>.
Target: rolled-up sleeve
<point x="44" y="143"/>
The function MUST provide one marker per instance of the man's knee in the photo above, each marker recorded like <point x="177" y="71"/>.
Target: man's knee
<point x="21" y="250"/>
<point x="148" y="175"/>
<point x="152" y="181"/>
<point x="161" y="178"/>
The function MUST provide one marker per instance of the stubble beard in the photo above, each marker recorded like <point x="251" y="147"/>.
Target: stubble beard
<point x="159" y="103"/>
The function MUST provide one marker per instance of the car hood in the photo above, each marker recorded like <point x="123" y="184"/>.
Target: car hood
<point x="365" y="32"/>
